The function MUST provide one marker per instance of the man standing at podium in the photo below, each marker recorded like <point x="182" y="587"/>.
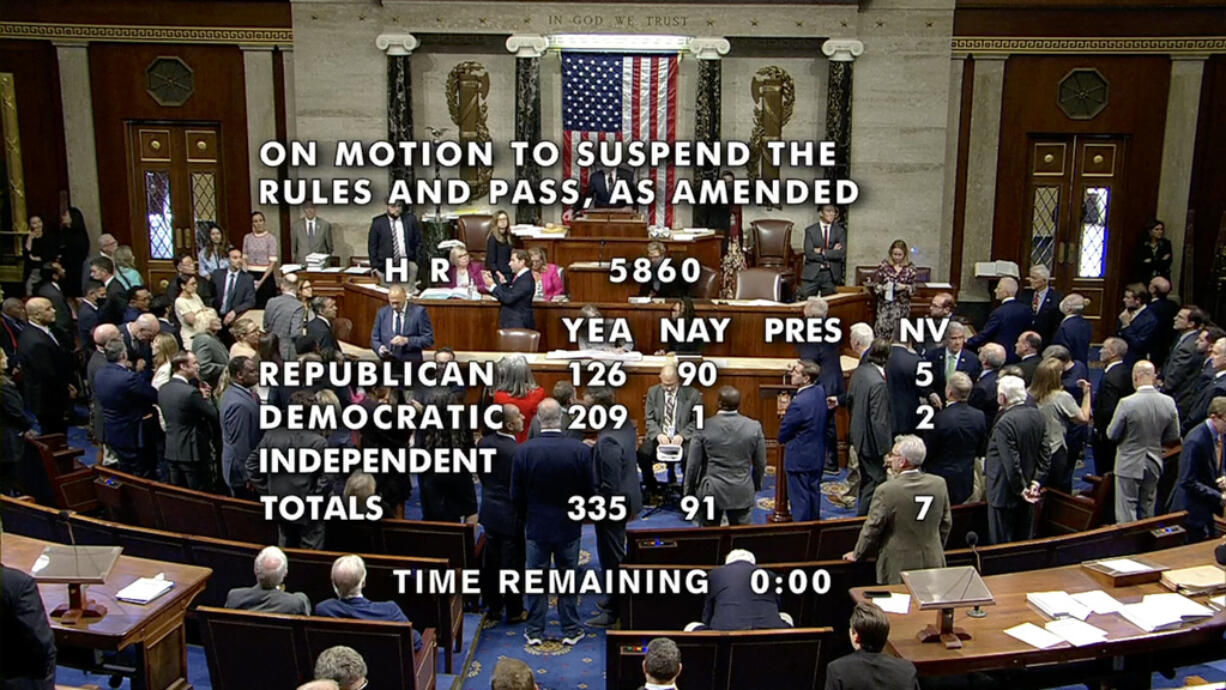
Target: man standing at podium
<point x="401" y="330"/>
<point x="600" y="188"/>
<point x="825" y="254"/>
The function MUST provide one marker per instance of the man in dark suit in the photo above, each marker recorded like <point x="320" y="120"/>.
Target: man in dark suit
<point x="600" y="188"/>
<point x="983" y="395"/>
<point x="268" y="594"/>
<point x="27" y="656"/>
<point x="803" y="435"/>
<point x="191" y="421"/>
<point x="115" y="303"/>
<point x="1202" y="378"/>
<point x="13" y="320"/>
<point x="867" y="668"/>
<point x="669" y="418"/>
<point x="1183" y="363"/>
<point x="902" y="371"/>
<point x="1044" y="302"/>
<point x="1210" y="387"/>
<point x="89" y="312"/>
<point x="234" y="289"/>
<point x="348" y="581"/>
<point x="727" y="462"/>
<point x="661" y="664"/>
<point x="952" y="358"/>
<point x="825" y="254"/>
<point x="138" y="337"/>
<point x="139" y="298"/>
<point x="395" y="236"/>
<point x="320" y="327"/>
<point x="830" y="361"/>
<point x="285" y="316"/>
<point x="402" y="330"/>
<point x="547" y="472"/>
<point x="733" y="604"/>
<point x="617" y="477"/>
<point x="515" y="296"/>
<point x="940" y="311"/>
<point x="504" y="533"/>
<point x="1074" y="332"/>
<point x="959" y="434"/>
<point x="1202" y="484"/>
<point x="1016" y="464"/>
<point x="1115" y="386"/>
<point x="869" y="401"/>
<point x="127" y="400"/>
<point x="47" y="368"/>
<point x="107" y="244"/>
<point x="304" y="532"/>
<point x="162" y="308"/>
<point x="1006" y="322"/>
<point x="657" y="286"/>
<point x="240" y="425"/>
<point x="1138" y="324"/>
<point x="1027" y="348"/>
<point x="1164" y="309"/>
<point x="50" y="287"/>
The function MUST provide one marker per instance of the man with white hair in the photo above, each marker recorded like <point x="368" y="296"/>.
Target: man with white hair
<point x="342" y="665"/>
<point x="831" y="377"/>
<point x="1074" y="332"/>
<point x="1044" y="302"/>
<point x="1016" y="464"/>
<point x="1143" y="423"/>
<point x="983" y="395"/>
<point x="138" y="336"/>
<point x="268" y="595"/>
<point x="952" y="358"/>
<point x="107" y="244"/>
<point x="909" y="519"/>
<point x="348" y="581"/>
<point x="733" y="604"/>
<point x="1006" y="322"/>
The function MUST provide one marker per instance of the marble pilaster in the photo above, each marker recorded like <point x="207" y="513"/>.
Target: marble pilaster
<point x="528" y="50"/>
<point x="983" y="146"/>
<point x="399" y="48"/>
<point x="1178" y="150"/>
<point x="82" y="153"/>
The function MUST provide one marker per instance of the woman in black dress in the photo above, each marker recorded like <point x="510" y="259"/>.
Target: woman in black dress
<point x="42" y="245"/>
<point x="74" y="249"/>
<point x="1154" y="255"/>
<point x="498" y="247"/>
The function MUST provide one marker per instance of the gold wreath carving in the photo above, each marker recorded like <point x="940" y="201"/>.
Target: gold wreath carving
<point x="471" y="71"/>
<point x="757" y="144"/>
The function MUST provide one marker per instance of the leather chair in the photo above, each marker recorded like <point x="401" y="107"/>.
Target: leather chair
<point x="342" y="328"/>
<point x="519" y="340"/>
<point x="708" y="284"/>
<point x="474" y="230"/>
<point x="759" y="283"/>
<point x="772" y="248"/>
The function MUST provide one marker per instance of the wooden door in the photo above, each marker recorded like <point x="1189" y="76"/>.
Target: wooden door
<point x="1073" y="193"/>
<point x="175" y="179"/>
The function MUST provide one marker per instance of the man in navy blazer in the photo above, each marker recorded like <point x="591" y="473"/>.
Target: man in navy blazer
<point x="504" y="533"/>
<point x="902" y="371"/>
<point x="1138" y="324"/>
<point x="953" y="357"/>
<point x="600" y="188"/>
<point x="803" y="433"/>
<point x="1201" y="481"/>
<point x="983" y="395"/>
<point x="516" y="296"/>
<point x="958" y="435"/>
<point x="1074" y="332"/>
<point x="1006" y="322"/>
<point x="126" y="398"/>
<point x="548" y="470"/>
<point x="831" y="379"/>
<point x="402" y="330"/>
<point x="395" y="235"/>
<point x="732" y="602"/>
<point x="348" y="581"/>
<point x="233" y="288"/>
<point x="616" y="475"/>
<point x="1044" y="302"/>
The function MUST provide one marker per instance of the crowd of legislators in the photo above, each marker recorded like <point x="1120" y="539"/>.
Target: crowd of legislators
<point x="998" y="415"/>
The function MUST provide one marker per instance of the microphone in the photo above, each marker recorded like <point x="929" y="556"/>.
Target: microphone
<point x="72" y="539"/>
<point x="972" y="540"/>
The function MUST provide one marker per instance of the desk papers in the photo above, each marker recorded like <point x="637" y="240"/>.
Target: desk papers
<point x="1163" y="611"/>
<point x="1058" y="605"/>
<point x="145" y="590"/>
<point x="895" y="603"/>
<point x="1075" y="632"/>
<point x="1124" y="565"/>
<point x="634" y="356"/>
<point x="1034" y="636"/>
<point x="1203" y="579"/>
<point x="1098" y="601"/>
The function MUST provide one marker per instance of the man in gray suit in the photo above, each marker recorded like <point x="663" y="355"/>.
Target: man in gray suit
<point x="1016" y="465"/>
<point x="271" y="566"/>
<point x="1182" y="369"/>
<point x="1143" y="423"/>
<point x="670" y="421"/>
<point x="909" y="520"/>
<point x="727" y="461"/>
<point x="310" y="234"/>
<point x="869" y="400"/>
<point x="825" y="254"/>
<point x="285" y="316"/>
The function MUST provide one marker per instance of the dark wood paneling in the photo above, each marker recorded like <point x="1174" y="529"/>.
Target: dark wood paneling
<point x="964" y="146"/>
<point x="259" y="13"/>
<point x="1041" y="18"/>
<point x="1208" y="178"/>
<point x="1136" y="109"/>
<point x="40" y="119"/>
<point x="117" y="76"/>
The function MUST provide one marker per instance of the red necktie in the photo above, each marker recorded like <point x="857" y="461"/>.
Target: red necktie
<point x="1035" y="305"/>
<point x="825" y="236"/>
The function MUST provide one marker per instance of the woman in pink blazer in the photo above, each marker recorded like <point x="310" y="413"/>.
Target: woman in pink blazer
<point x="547" y="276"/>
<point x="462" y="265"/>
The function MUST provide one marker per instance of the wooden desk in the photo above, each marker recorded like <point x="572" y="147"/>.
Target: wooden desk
<point x="590" y="283"/>
<point x="155" y="631"/>
<point x="608" y="224"/>
<point x="568" y="249"/>
<point x="991" y="649"/>
<point x="471" y="325"/>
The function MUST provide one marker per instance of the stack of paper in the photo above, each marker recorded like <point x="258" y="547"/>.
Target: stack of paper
<point x="447" y="293"/>
<point x="291" y="268"/>
<point x="1204" y="579"/>
<point x="895" y="603"/>
<point x="1058" y="605"/>
<point x="1185" y="607"/>
<point x="1075" y="632"/>
<point x="145" y="590"/>
<point x="358" y="270"/>
<point x="1163" y="611"/>
<point x="317" y="261"/>
<point x="1034" y="636"/>
<point x="1218" y="603"/>
<point x="1098" y="601"/>
<point x="1124" y="565"/>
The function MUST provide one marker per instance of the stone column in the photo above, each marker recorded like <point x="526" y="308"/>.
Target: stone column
<point x="957" y="64"/>
<point x="399" y="47"/>
<point x="287" y="78"/>
<point x="528" y="50"/>
<point x="841" y="53"/>
<point x="261" y="127"/>
<point x="707" y="125"/>
<point x="78" y="106"/>
<point x="988" y="90"/>
<point x="1178" y="148"/>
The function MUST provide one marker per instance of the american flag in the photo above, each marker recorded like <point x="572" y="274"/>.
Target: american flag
<point x="606" y="96"/>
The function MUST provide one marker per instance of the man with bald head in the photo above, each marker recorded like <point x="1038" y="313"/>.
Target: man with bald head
<point x="504" y="534"/>
<point x="1116" y="384"/>
<point x="107" y="244"/>
<point x="348" y="581"/>
<point x="1164" y="309"/>
<point x="126" y="398"/>
<point x="47" y="368"/>
<point x="1143" y="424"/>
<point x="402" y="330"/>
<point x="1029" y="345"/>
<point x="1074" y="332"/>
<point x="1006" y="322"/>
<point x="670" y="421"/>
<point x="727" y="462"/>
<point x="101" y="335"/>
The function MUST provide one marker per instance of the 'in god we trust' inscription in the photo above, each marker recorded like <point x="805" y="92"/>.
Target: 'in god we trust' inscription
<point x="619" y="21"/>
